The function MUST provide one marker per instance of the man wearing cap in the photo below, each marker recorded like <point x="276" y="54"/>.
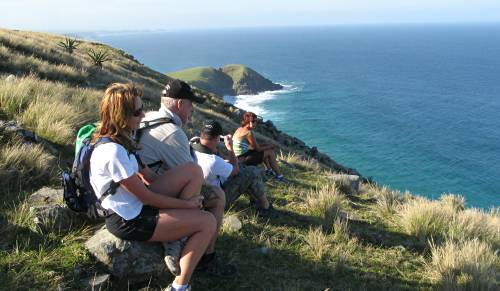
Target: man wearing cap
<point x="227" y="174"/>
<point x="165" y="145"/>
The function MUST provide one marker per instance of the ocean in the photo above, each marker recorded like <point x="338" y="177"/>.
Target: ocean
<point x="415" y="107"/>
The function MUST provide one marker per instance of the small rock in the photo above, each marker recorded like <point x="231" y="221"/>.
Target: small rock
<point x="56" y="218"/>
<point x="349" y="184"/>
<point x="46" y="196"/>
<point x="97" y="282"/>
<point x="232" y="223"/>
<point x="10" y="78"/>
<point x="263" y="250"/>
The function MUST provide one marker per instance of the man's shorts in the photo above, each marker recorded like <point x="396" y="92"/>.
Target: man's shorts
<point x="139" y="228"/>
<point x="252" y="158"/>
<point x="209" y="194"/>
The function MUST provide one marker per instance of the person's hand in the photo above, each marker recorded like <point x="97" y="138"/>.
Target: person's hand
<point x="195" y="202"/>
<point x="228" y="142"/>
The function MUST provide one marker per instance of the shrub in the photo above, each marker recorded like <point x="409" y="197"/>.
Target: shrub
<point x="467" y="265"/>
<point x="68" y="44"/>
<point x="425" y="219"/>
<point x="387" y="200"/>
<point x="98" y="58"/>
<point x="325" y="202"/>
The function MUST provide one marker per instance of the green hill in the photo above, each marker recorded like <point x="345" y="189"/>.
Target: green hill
<point x="326" y="236"/>
<point x="206" y="78"/>
<point x="248" y="81"/>
<point x="228" y="80"/>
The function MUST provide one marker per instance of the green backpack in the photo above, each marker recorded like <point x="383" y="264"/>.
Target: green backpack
<point x="84" y="133"/>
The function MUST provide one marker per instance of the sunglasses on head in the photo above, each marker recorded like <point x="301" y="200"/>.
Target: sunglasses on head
<point x="139" y="111"/>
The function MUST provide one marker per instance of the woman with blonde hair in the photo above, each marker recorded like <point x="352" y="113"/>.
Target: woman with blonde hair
<point x="251" y="153"/>
<point x="143" y="206"/>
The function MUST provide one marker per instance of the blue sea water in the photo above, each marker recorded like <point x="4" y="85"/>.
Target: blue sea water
<point x="415" y="107"/>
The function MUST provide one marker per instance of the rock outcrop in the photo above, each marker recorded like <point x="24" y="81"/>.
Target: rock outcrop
<point x="135" y="261"/>
<point x="247" y="81"/>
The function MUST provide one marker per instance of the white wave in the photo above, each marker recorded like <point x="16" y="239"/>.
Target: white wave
<point x="256" y="103"/>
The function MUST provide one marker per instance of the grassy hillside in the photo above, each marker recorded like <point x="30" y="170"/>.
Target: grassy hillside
<point x="206" y="78"/>
<point x="324" y="236"/>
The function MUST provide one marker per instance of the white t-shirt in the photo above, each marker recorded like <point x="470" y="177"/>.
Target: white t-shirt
<point x="111" y="161"/>
<point x="215" y="169"/>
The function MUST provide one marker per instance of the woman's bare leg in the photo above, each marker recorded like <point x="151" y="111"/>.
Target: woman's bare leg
<point x="270" y="156"/>
<point x="182" y="182"/>
<point x="198" y="225"/>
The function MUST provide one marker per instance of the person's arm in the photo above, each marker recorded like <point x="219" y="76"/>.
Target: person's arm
<point x="252" y="142"/>
<point x="228" y="142"/>
<point x="147" y="175"/>
<point x="134" y="185"/>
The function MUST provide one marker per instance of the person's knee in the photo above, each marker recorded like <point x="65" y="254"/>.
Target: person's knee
<point x="194" y="170"/>
<point x="209" y="222"/>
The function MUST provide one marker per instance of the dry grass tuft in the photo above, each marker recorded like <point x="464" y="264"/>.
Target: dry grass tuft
<point x="467" y="265"/>
<point x="317" y="243"/>
<point x="425" y="219"/>
<point x="456" y="202"/>
<point x="29" y="164"/>
<point x="325" y="202"/>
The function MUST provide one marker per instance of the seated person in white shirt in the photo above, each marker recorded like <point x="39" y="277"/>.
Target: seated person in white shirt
<point x="235" y="180"/>
<point x="147" y="213"/>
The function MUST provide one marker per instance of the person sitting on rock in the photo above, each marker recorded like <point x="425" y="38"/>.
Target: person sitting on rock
<point x="233" y="179"/>
<point x="167" y="145"/>
<point x="143" y="206"/>
<point x="251" y="153"/>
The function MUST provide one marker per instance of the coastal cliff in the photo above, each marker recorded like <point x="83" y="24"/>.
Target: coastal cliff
<point x="231" y="80"/>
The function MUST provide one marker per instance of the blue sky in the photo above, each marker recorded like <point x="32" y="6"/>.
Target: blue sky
<point x="69" y="15"/>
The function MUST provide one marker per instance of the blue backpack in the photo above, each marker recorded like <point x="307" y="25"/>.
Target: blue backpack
<point x="78" y="192"/>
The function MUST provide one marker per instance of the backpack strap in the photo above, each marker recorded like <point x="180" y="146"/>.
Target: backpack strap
<point x="150" y="124"/>
<point x="113" y="185"/>
<point x="201" y="148"/>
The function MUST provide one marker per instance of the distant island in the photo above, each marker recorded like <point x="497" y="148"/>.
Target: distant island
<point x="233" y="79"/>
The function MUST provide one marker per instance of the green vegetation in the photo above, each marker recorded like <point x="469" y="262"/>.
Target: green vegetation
<point x="390" y="241"/>
<point x="206" y="78"/>
<point x="98" y="58"/>
<point x="68" y="44"/>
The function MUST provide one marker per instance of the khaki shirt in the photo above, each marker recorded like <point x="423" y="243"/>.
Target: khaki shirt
<point x="166" y="142"/>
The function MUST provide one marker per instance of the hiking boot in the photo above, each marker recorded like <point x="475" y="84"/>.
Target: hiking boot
<point x="210" y="266"/>
<point x="270" y="172"/>
<point x="267" y="212"/>
<point x="170" y="288"/>
<point x="282" y="179"/>
<point x="173" y="254"/>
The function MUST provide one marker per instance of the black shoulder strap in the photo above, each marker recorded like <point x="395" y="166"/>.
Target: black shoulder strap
<point x="113" y="185"/>
<point x="201" y="148"/>
<point x="149" y="124"/>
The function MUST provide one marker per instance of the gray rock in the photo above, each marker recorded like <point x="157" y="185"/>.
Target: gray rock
<point x="10" y="78"/>
<point x="97" y="282"/>
<point x="135" y="261"/>
<point x="46" y="196"/>
<point x="55" y="217"/>
<point x="232" y="223"/>
<point x="348" y="184"/>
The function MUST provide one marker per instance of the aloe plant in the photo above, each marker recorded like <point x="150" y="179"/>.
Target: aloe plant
<point x="69" y="44"/>
<point x="98" y="57"/>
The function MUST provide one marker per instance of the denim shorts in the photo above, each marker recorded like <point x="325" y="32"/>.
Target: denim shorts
<point x="139" y="228"/>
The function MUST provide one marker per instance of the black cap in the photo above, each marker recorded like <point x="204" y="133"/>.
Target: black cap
<point x="180" y="90"/>
<point x="211" y="128"/>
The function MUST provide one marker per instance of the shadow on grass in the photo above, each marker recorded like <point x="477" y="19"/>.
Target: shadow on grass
<point x="280" y="269"/>
<point x="380" y="236"/>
